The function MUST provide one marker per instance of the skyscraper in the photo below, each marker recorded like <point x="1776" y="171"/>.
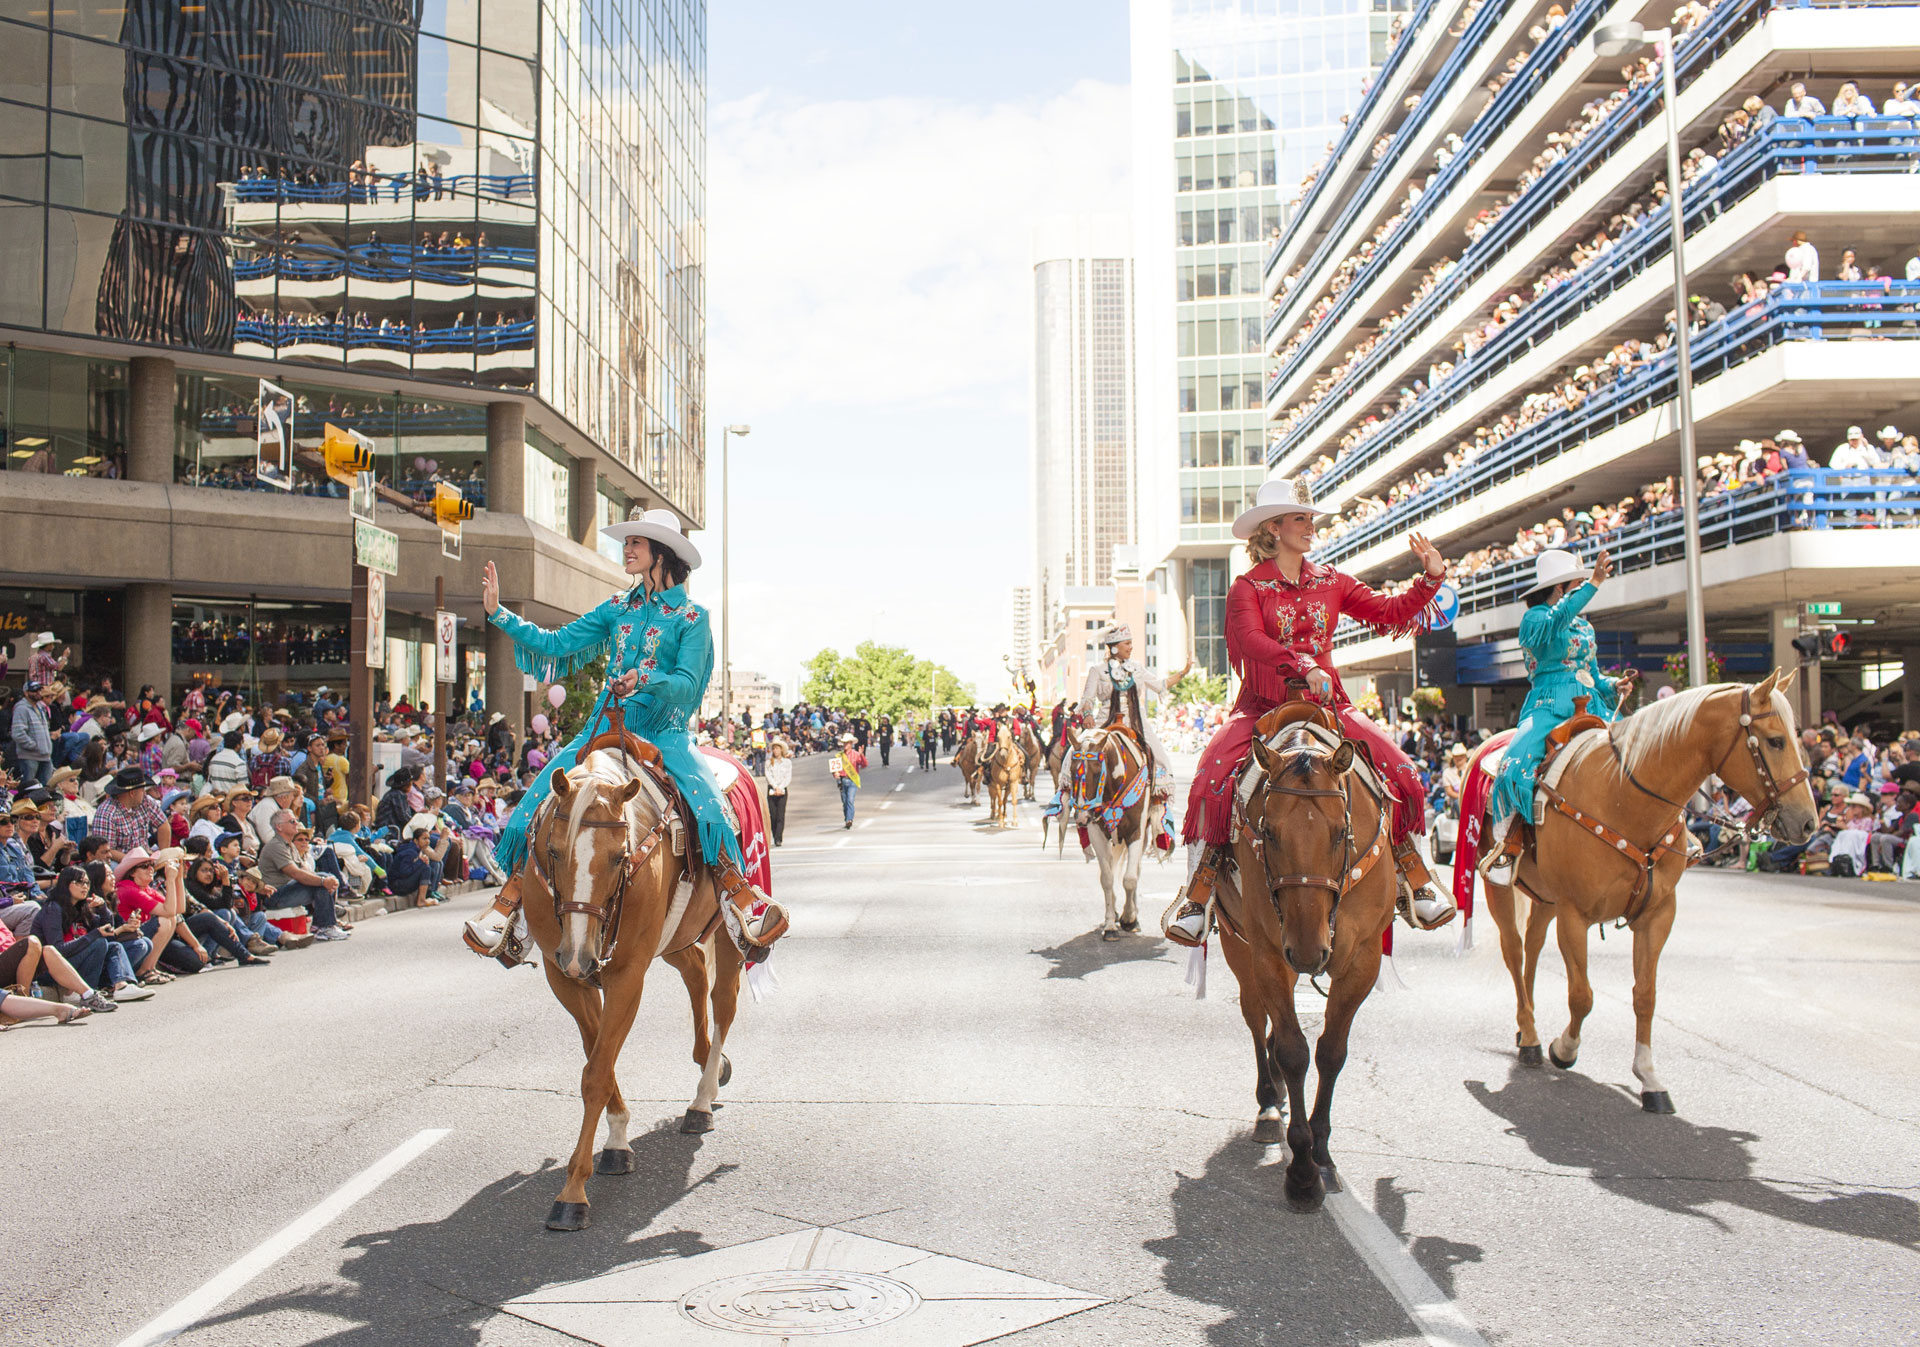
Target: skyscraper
<point x="1234" y="101"/>
<point x="1084" y="422"/>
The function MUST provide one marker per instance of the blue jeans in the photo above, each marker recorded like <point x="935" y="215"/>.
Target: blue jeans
<point x="316" y="899"/>
<point x="33" y="770"/>
<point x="122" y="958"/>
<point x="847" y="791"/>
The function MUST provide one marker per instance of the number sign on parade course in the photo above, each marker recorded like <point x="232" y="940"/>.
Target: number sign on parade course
<point x="376" y="548"/>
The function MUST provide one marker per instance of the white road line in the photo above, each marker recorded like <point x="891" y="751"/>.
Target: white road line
<point x="184" y="1314"/>
<point x="902" y="786"/>
<point x="1439" y="1320"/>
<point x="886" y="804"/>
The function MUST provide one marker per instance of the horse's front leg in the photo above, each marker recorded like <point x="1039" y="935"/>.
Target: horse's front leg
<point x="1564" y="1051"/>
<point x="597" y="1090"/>
<point x="1649" y="937"/>
<point x="1350" y="987"/>
<point x="1103" y="852"/>
<point x="1266" y="1094"/>
<point x="1130" y="914"/>
<point x="1500" y="904"/>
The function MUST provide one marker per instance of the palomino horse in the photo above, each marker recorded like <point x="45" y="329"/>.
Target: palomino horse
<point x="604" y="898"/>
<point x="1636" y="776"/>
<point x="1117" y="799"/>
<point x="1005" y="767"/>
<point x="967" y="759"/>
<point x="1035" y="753"/>
<point x="1314" y="893"/>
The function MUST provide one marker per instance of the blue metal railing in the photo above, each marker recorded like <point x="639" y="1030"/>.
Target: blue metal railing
<point x="1485" y="127"/>
<point x="485" y="339"/>
<point x="390" y="187"/>
<point x="1801" y="312"/>
<point x="1375" y="93"/>
<point x="1789" y="145"/>
<point x="1722" y="27"/>
<point x="370" y="263"/>
<point x="1808" y="498"/>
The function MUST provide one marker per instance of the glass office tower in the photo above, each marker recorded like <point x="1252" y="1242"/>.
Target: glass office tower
<point x="1235" y="101"/>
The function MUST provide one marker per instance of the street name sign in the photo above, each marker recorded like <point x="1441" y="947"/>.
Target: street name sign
<point x="376" y="548"/>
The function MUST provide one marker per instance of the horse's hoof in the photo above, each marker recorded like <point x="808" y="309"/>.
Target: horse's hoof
<point x="1330" y="1178"/>
<point x="726" y="1068"/>
<point x="1530" y="1055"/>
<point x="1656" y="1101"/>
<point x="1269" y="1131"/>
<point x="1305" y="1198"/>
<point x="696" y="1122"/>
<point x="1554" y="1057"/>
<point x="567" y="1216"/>
<point x="1109" y="934"/>
<point x="1130" y="927"/>
<point x="612" y="1161"/>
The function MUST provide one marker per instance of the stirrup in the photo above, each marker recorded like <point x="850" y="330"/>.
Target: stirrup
<point x="1179" y="915"/>
<point x="738" y="897"/>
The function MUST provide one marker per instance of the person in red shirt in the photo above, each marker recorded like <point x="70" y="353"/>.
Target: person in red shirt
<point x="1281" y="619"/>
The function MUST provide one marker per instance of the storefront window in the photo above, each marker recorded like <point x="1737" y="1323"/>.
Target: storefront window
<point x="613" y="507"/>
<point x="64" y="414"/>
<point x="262" y="649"/>
<point x="549" y="470"/>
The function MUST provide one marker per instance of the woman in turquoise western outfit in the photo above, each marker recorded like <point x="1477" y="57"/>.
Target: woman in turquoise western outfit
<point x="1563" y="666"/>
<point x="659" y="650"/>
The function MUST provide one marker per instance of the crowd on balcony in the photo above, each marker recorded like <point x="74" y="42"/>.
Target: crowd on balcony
<point x="143" y="842"/>
<point x="359" y="327"/>
<point x="364" y="183"/>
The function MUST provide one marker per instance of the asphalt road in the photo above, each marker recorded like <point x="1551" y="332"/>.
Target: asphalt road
<point x="956" y="1063"/>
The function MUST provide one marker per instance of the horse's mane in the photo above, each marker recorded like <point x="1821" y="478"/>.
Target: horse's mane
<point x="1297" y="749"/>
<point x="602" y="768"/>
<point x="1656" y="730"/>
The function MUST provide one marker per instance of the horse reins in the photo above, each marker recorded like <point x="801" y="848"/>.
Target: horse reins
<point x="1352" y="869"/>
<point x="607" y="914"/>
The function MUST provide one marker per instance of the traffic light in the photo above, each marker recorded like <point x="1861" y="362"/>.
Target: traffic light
<point x="1819" y="645"/>
<point x="449" y="507"/>
<point x="348" y="453"/>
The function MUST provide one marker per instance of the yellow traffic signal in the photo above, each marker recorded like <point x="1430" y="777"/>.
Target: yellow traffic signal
<point x="348" y="453"/>
<point x="450" y="507"/>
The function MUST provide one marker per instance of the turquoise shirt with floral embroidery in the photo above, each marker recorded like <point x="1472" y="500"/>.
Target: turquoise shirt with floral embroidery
<point x="1562" y="665"/>
<point x="667" y="641"/>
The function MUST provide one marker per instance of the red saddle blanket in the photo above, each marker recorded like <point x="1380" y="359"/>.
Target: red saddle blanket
<point x="1475" y="791"/>
<point x="736" y="782"/>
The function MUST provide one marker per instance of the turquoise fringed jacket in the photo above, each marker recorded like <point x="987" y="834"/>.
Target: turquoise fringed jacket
<point x="1562" y="665"/>
<point x="668" y="642"/>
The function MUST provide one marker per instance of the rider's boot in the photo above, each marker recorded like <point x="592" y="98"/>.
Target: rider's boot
<point x="1186" y="919"/>
<point x="754" y="934"/>
<point x="1503" y="851"/>
<point x="1421" y="902"/>
<point x="484" y="933"/>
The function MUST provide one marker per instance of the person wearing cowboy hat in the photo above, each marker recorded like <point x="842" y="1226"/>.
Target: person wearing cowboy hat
<point x="282" y="792"/>
<point x="659" y="650"/>
<point x="1281" y="616"/>
<point x="129" y="818"/>
<point x="846" y="767"/>
<point x="32" y="734"/>
<point x="1117" y="692"/>
<point x="1563" y="668"/>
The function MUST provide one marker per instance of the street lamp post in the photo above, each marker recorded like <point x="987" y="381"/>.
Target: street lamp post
<point x="726" y="604"/>
<point x="1613" y="40"/>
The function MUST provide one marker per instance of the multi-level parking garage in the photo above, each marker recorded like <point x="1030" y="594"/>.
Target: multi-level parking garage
<point x="1470" y="323"/>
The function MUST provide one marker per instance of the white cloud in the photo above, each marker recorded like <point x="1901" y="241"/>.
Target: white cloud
<point x="868" y="307"/>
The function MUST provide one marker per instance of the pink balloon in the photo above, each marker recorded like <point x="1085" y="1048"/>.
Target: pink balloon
<point x="1663" y="694"/>
<point x="420" y="465"/>
<point x="557" y="696"/>
<point x="539" y="724"/>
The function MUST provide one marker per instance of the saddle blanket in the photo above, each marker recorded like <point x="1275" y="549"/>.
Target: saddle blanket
<point x="742" y="798"/>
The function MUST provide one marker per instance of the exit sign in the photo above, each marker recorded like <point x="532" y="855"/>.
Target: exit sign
<point x="1823" y="610"/>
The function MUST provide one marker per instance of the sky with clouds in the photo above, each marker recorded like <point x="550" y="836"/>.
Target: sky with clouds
<point x="874" y="173"/>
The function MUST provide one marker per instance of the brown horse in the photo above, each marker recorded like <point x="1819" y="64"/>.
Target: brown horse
<point x="1035" y="753"/>
<point x="1613" y="847"/>
<point x="967" y="759"/>
<point x="1313" y="896"/>
<point x="605" y="895"/>
<point x="1005" y="766"/>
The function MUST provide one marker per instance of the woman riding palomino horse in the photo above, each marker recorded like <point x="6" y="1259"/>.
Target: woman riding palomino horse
<point x="1281" y="616"/>
<point x="659" y="651"/>
<point x="1117" y="692"/>
<point x="1563" y="668"/>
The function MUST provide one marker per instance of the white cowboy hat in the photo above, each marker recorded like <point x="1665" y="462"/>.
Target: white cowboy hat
<point x="1553" y="567"/>
<point x="660" y="526"/>
<point x="147" y="732"/>
<point x="1278" y="496"/>
<point x="421" y="820"/>
<point x="44" y="638"/>
<point x="1115" y="633"/>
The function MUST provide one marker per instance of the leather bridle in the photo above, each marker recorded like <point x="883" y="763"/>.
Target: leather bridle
<point x="1775" y="790"/>
<point x="546" y="863"/>
<point x="1354" y="866"/>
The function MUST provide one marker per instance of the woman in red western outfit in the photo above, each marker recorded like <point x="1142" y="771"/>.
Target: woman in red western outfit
<point x="1281" y="616"/>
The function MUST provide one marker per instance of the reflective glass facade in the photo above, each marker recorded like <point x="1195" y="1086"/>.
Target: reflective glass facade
<point x="403" y="187"/>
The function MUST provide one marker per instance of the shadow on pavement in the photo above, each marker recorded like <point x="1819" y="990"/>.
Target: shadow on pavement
<point x="1571" y="1121"/>
<point x="1438" y="1255"/>
<point x="435" y="1284"/>
<point x="1088" y="953"/>
<point x="1281" y="1277"/>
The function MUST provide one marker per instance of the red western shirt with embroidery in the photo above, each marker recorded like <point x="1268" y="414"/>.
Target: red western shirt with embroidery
<point x="1278" y="629"/>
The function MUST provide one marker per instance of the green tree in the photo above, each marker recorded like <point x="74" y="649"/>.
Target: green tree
<point x="582" y="686"/>
<point x="1197" y="687"/>
<point x="882" y="680"/>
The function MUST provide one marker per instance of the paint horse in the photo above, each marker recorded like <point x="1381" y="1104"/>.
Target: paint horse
<point x="1611" y="843"/>
<point x="1109" y="795"/>
<point x="1312" y="893"/>
<point x="607" y="891"/>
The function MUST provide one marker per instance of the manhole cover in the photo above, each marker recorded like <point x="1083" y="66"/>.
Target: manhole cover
<point x="795" y="1304"/>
